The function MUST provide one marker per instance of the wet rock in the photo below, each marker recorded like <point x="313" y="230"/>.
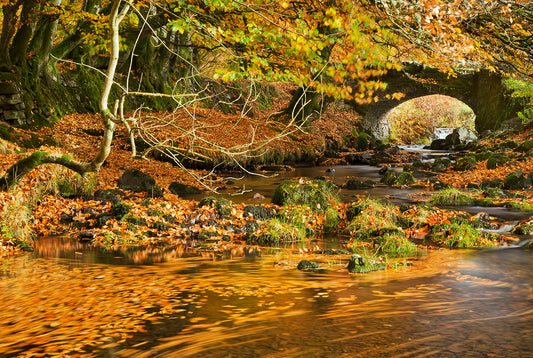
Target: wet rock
<point x="86" y="236"/>
<point x="136" y="180"/>
<point x="307" y="265"/>
<point x="363" y="158"/>
<point x="466" y="163"/>
<point x="258" y="196"/>
<point x="355" y="184"/>
<point x="183" y="189"/>
<point x="461" y="136"/>
<point x="383" y="170"/>
<point x="358" y="264"/>
<point x="223" y="206"/>
<point x="393" y="150"/>
<point x="514" y="181"/>
<point x="110" y="195"/>
<point x="259" y="212"/>
<point x="438" y="144"/>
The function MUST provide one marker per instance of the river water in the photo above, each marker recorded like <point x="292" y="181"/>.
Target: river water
<point x="68" y="299"/>
<point x="451" y="304"/>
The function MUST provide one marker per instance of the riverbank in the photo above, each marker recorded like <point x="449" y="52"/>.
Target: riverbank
<point x="102" y="212"/>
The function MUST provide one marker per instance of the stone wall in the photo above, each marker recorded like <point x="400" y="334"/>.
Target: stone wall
<point x="482" y="91"/>
<point x="12" y="108"/>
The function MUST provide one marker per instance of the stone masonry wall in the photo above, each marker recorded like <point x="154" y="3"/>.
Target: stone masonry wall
<point x="12" y="108"/>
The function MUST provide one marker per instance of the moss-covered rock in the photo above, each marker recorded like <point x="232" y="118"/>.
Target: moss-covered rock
<point x="524" y="229"/>
<point x="461" y="235"/>
<point x="222" y="205"/>
<point x="356" y="184"/>
<point x="466" y="163"/>
<point x="360" y="264"/>
<point x="307" y="265"/>
<point x="259" y="212"/>
<point x="514" y="181"/>
<point x="452" y="196"/>
<point x="119" y="210"/>
<point x="316" y="194"/>
<point x="183" y="189"/>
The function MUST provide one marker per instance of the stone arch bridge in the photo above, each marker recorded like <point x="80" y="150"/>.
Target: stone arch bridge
<point x="482" y="91"/>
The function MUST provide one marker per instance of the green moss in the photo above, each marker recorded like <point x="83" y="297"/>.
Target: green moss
<point x="331" y="219"/>
<point x="355" y="184"/>
<point x="466" y="163"/>
<point x="119" y="210"/>
<point x="452" y="196"/>
<point x="315" y="194"/>
<point x="524" y="229"/>
<point x="461" y="236"/>
<point x="518" y="205"/>
<point x="514" y="181"/>
<point x="395" y="246"/>
<point x="223" y="206"/>
<point x="276" y="231"/>
<point x="364" y="264"/>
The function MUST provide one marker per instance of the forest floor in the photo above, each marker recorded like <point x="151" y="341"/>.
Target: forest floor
<point x="188" y="227"/>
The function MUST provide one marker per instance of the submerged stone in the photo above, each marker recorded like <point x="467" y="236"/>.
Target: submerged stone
<point x="306" y="265"/>
<point x="358" y="264"/>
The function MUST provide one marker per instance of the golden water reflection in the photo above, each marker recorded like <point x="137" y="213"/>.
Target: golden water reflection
<point x="454" y="303"/>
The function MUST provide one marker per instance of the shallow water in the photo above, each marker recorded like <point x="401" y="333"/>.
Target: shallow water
<point x="453" y="304"/>
<point x="69" y="299"/>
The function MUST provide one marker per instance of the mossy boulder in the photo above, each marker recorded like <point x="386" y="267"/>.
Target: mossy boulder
<point x="394" y="178"/>
<point x="525" y="146"/>
<point x="259" y="212"/>
<point x="316" y="194"/>
<point x="356" y="184"/>
<point x="524" y="229"/>
<point x="137" y="181"/>
<point x="307" y="265"/>
<point x="183" y="189"/>
<point x="441" y="164"/>
<point x="360" y="264"/>
<point x="222" y="205"/>
<point x="119" y="210"/>
<point x="466" y="163"/>
<point x="514" y="181"/>
<point x="362" y="141"/>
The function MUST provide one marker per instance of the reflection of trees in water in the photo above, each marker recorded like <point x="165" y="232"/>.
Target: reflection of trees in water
<point x="63" y="247"/>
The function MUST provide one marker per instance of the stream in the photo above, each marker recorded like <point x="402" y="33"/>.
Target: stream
<point x="70" y="299"/>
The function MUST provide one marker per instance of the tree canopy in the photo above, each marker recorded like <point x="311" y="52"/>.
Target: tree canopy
<point x="142" y="51"/>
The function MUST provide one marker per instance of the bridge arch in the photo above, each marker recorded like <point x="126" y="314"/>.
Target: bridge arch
<point x="482" y="91"/>
<point x="416" y="121"/>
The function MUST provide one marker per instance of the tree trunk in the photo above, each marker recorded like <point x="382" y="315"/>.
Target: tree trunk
<point x="67" y="46"/>
<point x="42" y="41"/>
<point x="16" y="172"/>
<point x="19" y="47"/>
<point x="9" y="26"/>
